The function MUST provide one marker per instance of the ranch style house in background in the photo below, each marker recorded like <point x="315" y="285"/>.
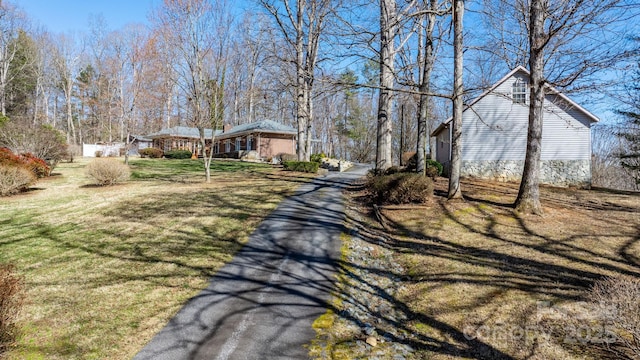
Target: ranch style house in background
<point x="264" y="139"/>
<point x="267" y="138"/>
<point x="180" y="138"/>
<point x="494" y="135"/>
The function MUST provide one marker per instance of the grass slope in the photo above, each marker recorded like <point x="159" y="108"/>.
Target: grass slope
<point x="478" y="277"/>
<point x="105" y="268"/>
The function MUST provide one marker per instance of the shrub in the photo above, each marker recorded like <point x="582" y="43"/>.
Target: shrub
<point x="301" y="166"/>
<point x="178" y="154"/>
<point x="11" y="300"/>
<point x="400" y="188"/>
<point x="317" y="157"/>
<point x="14" y="179"/>
<point x="44" y="142"/>
<point x="434" y="167"/>
<point x="38" y="166"/>
<point x="29" y="161"/>
<point x="618" y="298"/>
<point x="7" y="157"/>
<point x="288" y="157"/>
<point x="98" y="153"/>
<point x="107" y="171"/>
<point x="152" y="153"/>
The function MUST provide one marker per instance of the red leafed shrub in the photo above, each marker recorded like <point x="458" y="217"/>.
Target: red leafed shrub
<point x="8" y="158"/>
<point x="29" y="161"/>
<point x="18" y="172"/>
<point x="37" y="165"/>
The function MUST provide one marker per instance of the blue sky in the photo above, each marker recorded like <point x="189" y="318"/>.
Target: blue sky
<point x="62" y="16"/>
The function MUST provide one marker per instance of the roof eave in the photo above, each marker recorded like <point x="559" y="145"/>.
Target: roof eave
<point x="440" y="128"/>
<point x="248" y="132"/>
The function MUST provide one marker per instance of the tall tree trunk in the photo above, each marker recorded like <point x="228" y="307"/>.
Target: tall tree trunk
<point x="205" y="156"/>
<point x="307" y="153"/>
<point x="250" y="92"/>
<point x="456" y="129"/>
<point x="402" y="134"/>
<point x="71" y="130"/>
<point x="387" y="68"/>
<point x="424" y="132"/>
<point x="301" y="101"/>
<point x="528" y="200"/>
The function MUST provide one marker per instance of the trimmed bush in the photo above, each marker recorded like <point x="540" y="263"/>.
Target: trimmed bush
<point x="400" y="188"/>
<point x="178" y="154"/>
<point x="29" y="161"/>
<point x="107" y="171"/>
<point x="301" y="166"/>
<point x="288" y="157"/>
<point x="152" y="153"/>
<point x="15" y="179"/>
<point x="38" y="166"/>
<point x="11" y="300"/>
<point x="7" y="157"/>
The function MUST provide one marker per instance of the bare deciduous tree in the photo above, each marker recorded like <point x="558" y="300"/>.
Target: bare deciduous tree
<point x="456" y="129"/>
<point x="426" y="60"/>
<point x="302" y="23"/>
<point x="12" y="21"/>
<point x="198" y="30"/>
<point x="66" y="58"/>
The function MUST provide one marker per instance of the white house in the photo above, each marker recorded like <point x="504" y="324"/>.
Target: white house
<point x="494" y="135"/>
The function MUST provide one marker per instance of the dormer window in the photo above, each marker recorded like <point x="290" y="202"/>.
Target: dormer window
<point x="520" y="92"/>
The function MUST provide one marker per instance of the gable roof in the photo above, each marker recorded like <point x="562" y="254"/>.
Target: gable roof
<point x="182" y="131"/>
<point x="520" y="68"/>
<point x="263" y="126"/>
<point x="139" y="138"/>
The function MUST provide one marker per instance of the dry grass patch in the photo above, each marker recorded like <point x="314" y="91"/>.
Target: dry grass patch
<point x="105" y="268"/>
<point x="481" y="281"/>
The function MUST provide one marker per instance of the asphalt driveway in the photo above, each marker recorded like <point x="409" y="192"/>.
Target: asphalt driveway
<point x="262" y="304"/>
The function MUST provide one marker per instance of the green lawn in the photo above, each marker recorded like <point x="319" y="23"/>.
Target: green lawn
<point x="106" y="267"/>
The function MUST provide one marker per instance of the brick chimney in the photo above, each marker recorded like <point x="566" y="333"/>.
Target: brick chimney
<point x="226" y="127"/>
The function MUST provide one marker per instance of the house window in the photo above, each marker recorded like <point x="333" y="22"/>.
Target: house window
<point x="249" y="142"/>
<point x="216" y="147"/>
<point x="227" y="146"/>
<point x="519" y="92"/>
<point x="237" y="144"/>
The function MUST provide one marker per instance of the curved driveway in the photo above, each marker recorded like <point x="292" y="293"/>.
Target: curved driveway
<point x="261" y="305"/>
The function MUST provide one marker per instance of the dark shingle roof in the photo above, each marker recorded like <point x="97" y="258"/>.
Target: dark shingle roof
<point x="262" y="126"/>
<point x="140" y="138"/>
<point x="182" y="131"/>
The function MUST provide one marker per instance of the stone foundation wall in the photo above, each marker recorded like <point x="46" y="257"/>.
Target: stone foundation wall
<point x="552" y="172"/>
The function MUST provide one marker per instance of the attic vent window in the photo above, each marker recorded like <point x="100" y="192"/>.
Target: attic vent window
<point x="520" y="92"/>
